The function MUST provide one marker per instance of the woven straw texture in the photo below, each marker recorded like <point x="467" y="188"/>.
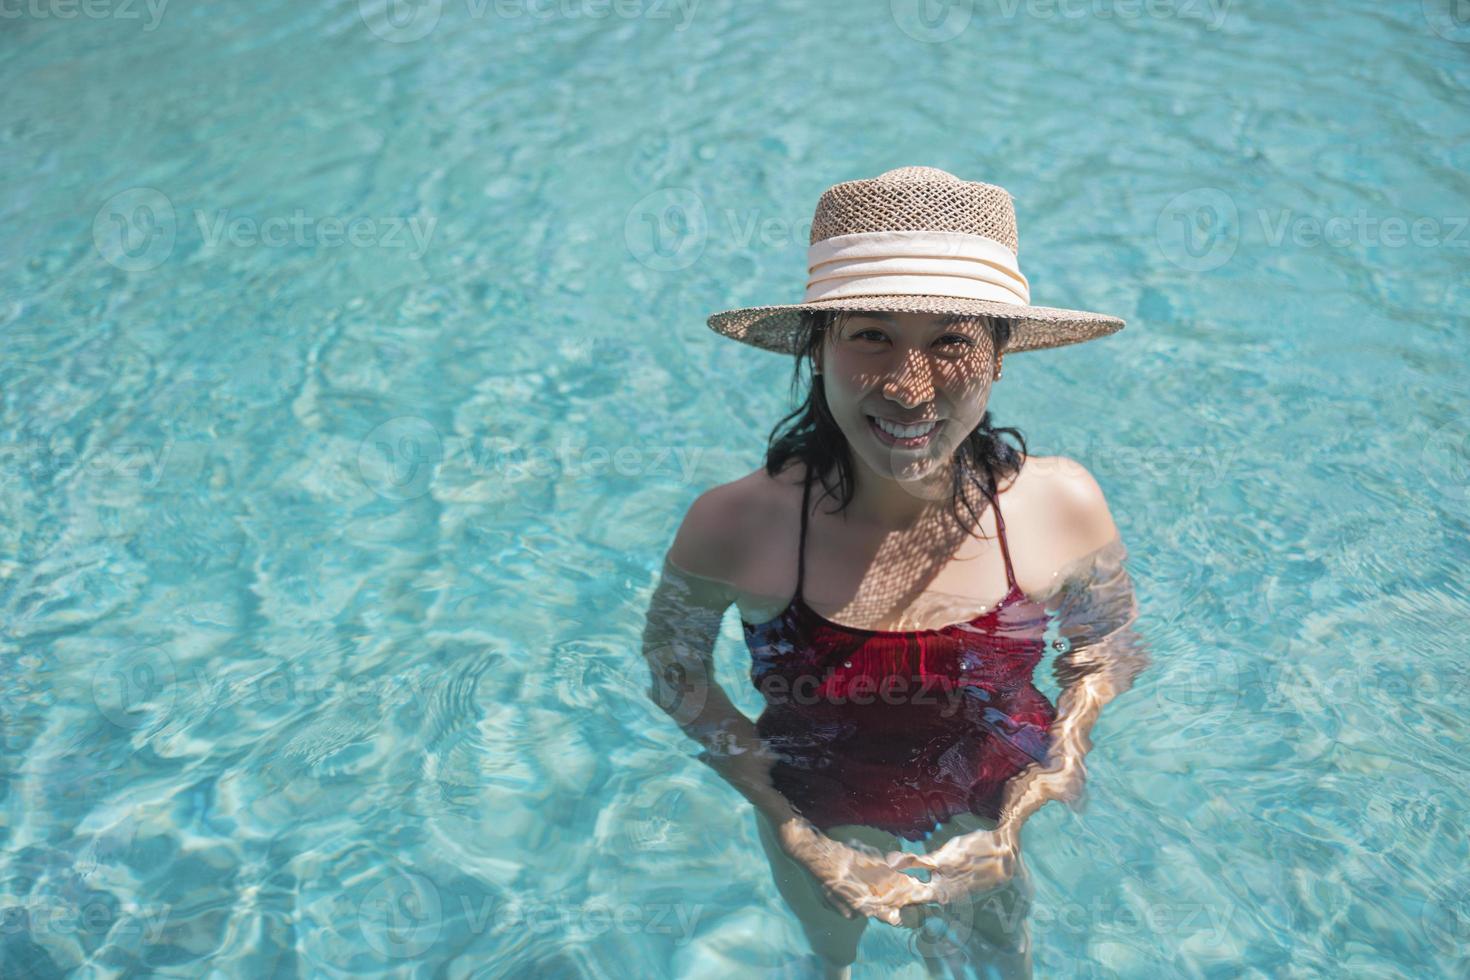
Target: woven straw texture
<point x="917" y="199"/>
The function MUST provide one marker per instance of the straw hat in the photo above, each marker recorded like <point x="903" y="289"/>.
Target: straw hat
<point x="916" y="240"/>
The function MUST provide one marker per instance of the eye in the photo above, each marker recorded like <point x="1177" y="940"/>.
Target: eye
<point x="952" y="341"/>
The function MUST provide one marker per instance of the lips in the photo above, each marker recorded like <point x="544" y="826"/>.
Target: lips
<point x="901" y="442"/>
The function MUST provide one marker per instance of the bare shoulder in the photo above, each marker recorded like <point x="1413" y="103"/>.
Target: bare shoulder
<point x="719" y="530"/>
<point x="1065" y="491"/>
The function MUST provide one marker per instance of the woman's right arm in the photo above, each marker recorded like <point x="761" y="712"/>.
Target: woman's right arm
<point x="679" y="638"/>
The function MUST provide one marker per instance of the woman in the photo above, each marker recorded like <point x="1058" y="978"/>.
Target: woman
<point x="894" y="629"/>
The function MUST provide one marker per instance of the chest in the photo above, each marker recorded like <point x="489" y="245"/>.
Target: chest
<point x="987" y="656"/>
<point x="884" y="581"/>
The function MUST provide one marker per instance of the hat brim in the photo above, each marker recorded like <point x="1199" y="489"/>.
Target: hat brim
<point x="778" y="328"/>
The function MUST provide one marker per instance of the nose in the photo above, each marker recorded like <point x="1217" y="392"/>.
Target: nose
<point x="913" y="383"/>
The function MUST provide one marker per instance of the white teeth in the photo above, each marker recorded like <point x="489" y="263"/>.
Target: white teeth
<point x="905" y="431"/>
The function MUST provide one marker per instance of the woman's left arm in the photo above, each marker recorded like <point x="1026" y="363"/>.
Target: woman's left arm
<point x="1095" y="609"/>
<point x="1105" y="655"/>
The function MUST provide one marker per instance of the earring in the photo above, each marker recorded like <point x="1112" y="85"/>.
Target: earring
<point x="999" y="364"/>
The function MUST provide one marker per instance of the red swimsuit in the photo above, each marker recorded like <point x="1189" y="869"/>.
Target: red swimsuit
<point x="900" y="730"/>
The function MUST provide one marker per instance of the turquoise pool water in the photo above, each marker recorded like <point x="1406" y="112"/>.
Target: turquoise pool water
<point x="355" y="379"/>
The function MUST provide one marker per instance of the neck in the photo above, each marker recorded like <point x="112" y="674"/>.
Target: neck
<point x="897" y="504"/>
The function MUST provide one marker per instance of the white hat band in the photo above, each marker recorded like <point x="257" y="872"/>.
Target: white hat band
<point x="935" y="263"/>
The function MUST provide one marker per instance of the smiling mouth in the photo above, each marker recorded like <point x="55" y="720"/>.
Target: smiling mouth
<point x="915" y="436"/>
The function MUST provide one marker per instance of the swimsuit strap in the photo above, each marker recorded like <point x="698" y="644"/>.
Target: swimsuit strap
<point x="806" y="493"/>
<point x="1000" y="530"/>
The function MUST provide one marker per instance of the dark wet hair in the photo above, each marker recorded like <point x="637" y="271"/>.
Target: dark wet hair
<point x="809" y="433"/>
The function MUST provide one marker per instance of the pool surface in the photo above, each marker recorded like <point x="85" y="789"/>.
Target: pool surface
<point x="354" y="380"/>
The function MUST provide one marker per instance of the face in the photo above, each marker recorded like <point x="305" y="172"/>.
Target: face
<point x="928" y="371"/>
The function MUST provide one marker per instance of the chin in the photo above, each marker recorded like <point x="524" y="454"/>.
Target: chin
<point x="901" y="468"/>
